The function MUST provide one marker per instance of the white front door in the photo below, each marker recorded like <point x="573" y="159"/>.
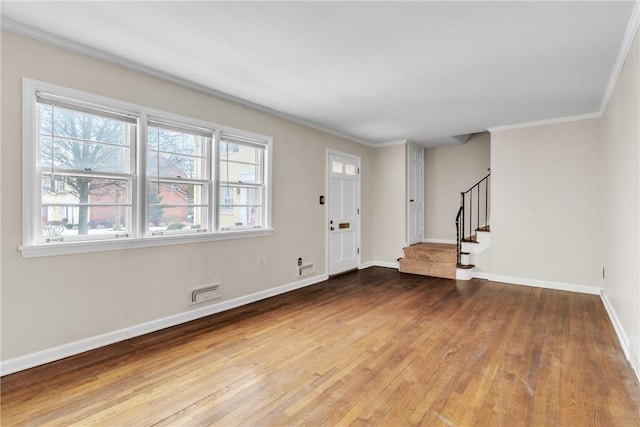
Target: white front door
<point x="343" y="226"/>
<point x="415" y="194"/>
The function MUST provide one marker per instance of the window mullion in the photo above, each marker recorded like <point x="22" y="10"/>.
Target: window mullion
<point x="140" y="196"/>
<point x="215" y="182"/>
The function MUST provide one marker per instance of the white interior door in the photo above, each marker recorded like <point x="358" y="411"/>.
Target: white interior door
<point x="415" y="196"/>
<point x="343" y="227"/>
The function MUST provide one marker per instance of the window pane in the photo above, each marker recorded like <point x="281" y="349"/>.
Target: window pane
<point x="240" y="196"/>
<point x="175" y="154"/>
<point x="75" y="140"/>
<point x="84" y="206"/>
<point x="240" y="173"/>
<point x="177" y="218"/>
<point x="82" y="125"/>
<point x="173" y="141"/>
<point x="349" y="169"/>
<point x="226" y="199"/>
<point x="176" y="206"/>
<point x="336" y="167"/>
<point x="66" y="220"/>
<point x="241" y="217"/>
<point x="60" y="189"/>
<point x="71" y="154"/>
<point x="175" y="166"/>
<point x="240" y="152"/>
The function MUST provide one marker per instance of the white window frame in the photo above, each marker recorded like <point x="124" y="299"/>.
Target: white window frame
<point x="264" y="168"/>
<point x="139" y="236"/>
<point x="40" y="171"/>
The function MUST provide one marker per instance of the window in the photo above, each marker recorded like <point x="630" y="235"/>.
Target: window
<point x="241" y="182"/>
<point x="84" y="168"/>
<point x="177" y="178"/>
<point x="112" y="175"/>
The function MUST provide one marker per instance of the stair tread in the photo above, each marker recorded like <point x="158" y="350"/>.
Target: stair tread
<point x="465" y="266"/>
<point x="434" y="247"/>
<point x="486" y="228"/>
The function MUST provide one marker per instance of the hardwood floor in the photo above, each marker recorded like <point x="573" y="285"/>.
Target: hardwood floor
<point x="375" y="347"/>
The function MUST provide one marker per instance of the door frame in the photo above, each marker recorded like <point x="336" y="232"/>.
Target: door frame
<point x="411" y="146"/>
<point x="328" y="198"/>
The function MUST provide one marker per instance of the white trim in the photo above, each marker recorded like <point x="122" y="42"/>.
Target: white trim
<point x="559" y="286"/>
<point x="546" y="122"/>
<point x="83" y="247"/>
<point x="617" y="326"/>
<point x="630" y="353"/>
<point x="448" y="241"/>
<point x="385" y="264"/>
<point x="392" y="143"/>
<point x="56" y="353"/>
<point x="358" y="159"/>
<point x="74" y="46"/>
<point x="629" y="36"/>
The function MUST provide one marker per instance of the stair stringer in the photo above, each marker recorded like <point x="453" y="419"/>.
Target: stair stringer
<point x="482" y="243"/>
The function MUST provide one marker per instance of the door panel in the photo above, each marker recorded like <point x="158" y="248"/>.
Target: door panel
<point x="343" y="213"/>
<point x="415" y="194"/>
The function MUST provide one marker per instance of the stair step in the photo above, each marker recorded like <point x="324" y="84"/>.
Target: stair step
<point x="465" y="266"/>
<point x="432" y="252"/>
<point x="486" y="228"/>
<point x="445" y="270"/>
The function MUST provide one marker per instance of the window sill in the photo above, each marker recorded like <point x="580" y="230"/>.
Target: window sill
<point x="70" y="248"/>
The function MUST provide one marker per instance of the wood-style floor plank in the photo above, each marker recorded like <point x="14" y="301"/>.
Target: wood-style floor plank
<point x="375" y="347"/>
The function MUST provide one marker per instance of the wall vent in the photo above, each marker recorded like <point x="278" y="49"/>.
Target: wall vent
<point x="206" y="294"/>
<point x="307" y="269"/>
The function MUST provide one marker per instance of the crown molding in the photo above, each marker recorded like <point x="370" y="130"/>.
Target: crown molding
<point x="74" y="46"/>
<point x="629" y="36"/>
<point x="545" y="122"/>
<point x="391" y="143"/>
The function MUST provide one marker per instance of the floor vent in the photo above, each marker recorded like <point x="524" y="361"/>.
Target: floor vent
<point x="206" y="294"/>
<point x="307" y="269"/>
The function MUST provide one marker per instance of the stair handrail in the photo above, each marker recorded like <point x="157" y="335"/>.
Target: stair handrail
<point x="460" y="216"/>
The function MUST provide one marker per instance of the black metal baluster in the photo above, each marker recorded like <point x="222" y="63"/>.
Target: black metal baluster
<point x="478" y="214"/>
<point x="471" y="212"/>
<point x="463" y="215"/>
<point x="486" y="203"/>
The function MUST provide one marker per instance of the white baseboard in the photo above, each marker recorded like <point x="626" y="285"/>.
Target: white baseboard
<point x="558" y="286"/>
<point x="617" y="326"/>
<point x="632" y="356"/>
<point x="60" y="352"/>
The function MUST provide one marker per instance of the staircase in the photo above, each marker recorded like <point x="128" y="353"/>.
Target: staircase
<point x="453" y="261"/>
<point x="430" y="259"/>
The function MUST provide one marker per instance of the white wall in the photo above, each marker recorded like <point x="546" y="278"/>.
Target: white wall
<point x="389" y="204"/>
<point x="620" y="203"/>
<point x="53" y="301"/>
<point x="545" y="214"/>
<point x="450" y="170"/>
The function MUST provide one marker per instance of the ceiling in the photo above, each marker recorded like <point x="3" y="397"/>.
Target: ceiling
<point x="375" y="72"/>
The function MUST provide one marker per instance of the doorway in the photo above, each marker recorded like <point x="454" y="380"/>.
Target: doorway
<point x="343" y="212"/>
<point x="415" y="194"/>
